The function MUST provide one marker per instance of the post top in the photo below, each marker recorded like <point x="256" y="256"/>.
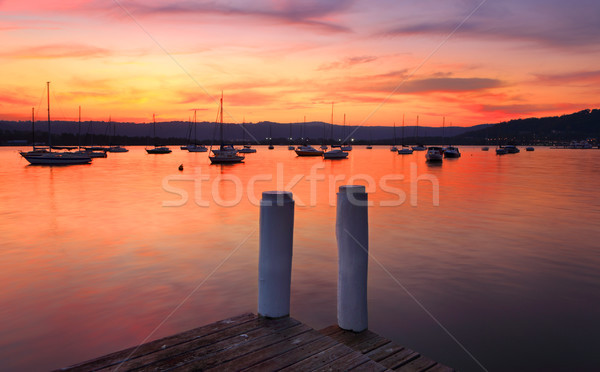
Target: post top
<point x="277" y="196"/>
<point x="352" y="189"/>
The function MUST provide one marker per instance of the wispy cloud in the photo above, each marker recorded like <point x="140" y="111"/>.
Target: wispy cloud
<point x="59" y="51"/>
<point x="312" y="13"/>
<point x="548" y="23"/>
<point x="347" y="63"/>
<point x="585" y="77"/>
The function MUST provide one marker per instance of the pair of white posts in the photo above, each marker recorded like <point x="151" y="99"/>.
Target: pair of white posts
<point x="276" y="247"/>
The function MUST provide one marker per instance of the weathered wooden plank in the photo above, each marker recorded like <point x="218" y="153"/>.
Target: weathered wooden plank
<point x="255" y="351"/>
<point x="384" y="351"/>
<point x="298" y="353"/>
<point x="353" y="339"/>
<point x="150" y="347"/>
<point x="402" y="357"/>
<point x="214" y="342"/>
<point x="369" y="366"/>
<point x="371" y="344"/>
<point x="322" y="358"/>
<point x="418" y="365"/>
<point x="332" y="329"/>
<point x="440" y="368"/>
<point x="344" y="364"/>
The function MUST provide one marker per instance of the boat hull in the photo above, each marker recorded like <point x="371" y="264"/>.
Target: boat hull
<point x="226" y="159"/>
<point x="335" y="154"/>
<point x="159" y="150"/>
<point x="309" y="153"/>
<point x="405" y="151"/>
<point x="197" y="149"/>
<point x="52" y="158"/>
<point x="117" y="149"/>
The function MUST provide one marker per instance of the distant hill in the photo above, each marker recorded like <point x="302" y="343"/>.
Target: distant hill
<point x="581" y="125"/>
<point x="577" y="126"/>
<point x="101" y="133"/>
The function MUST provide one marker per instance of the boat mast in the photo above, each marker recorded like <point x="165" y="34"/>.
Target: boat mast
<point x="417" y="130"/>
<point x="345" y="139"/>
<point x="303" y="125"/>
<point x="79" y="133"/>
<point x="443" y="131"/>
<point x="154" y="128"/>
<point x="394" y="133"/>
<point x="33" y="127"/>
<point x="195" y="130"/>
<point x="221" y="118"/>
<point x="49" y="135"/>
<point x="402" y="130"/>
<point x="332" y="139"/>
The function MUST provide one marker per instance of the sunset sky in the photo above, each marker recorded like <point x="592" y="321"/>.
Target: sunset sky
<point x="470" y="61"/>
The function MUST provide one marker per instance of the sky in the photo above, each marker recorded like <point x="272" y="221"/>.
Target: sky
<point x="464" y="62"/>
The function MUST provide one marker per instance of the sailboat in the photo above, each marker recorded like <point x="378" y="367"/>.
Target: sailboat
<point x="335" y="153"/>
<point x="48" y="157"/>
<point x="195" y="147"/>
<point x="116" y="148"/>
<point x="226" y="154"/>
<point x="345" y="147"/>
<point x="449" y="151"/>
<point x="418" y="147"/>
<point x="404" y="150"/>
<point x="369" y="147"/>
<point x="157" y="148"/>
<point x="324" y="146"/>
<point x="92" y="151"/>
<point x="271" y="147"/>
<point x="393" y="147"/>
<point x="247" y="149"/>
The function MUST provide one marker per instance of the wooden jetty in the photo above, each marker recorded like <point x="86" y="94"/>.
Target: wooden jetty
<point x="251" y="342"/>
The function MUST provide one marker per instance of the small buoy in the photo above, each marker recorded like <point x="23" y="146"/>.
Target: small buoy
<point x="180" y="167"/>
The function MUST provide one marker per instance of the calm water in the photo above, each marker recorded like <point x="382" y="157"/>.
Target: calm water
<point x="509" y="262"/>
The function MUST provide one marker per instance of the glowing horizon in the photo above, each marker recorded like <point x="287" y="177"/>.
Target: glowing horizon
<point x="282" y="60"/>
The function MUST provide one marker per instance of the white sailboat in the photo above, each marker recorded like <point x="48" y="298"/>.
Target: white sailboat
<point x="157" y="148"/>
<point x="418" y="147"/>
<point x="226" y="154"/>
<point x="195" y="147"/>
<point x="404" y="150"/>
<point x="335" y="153"/>
<point x="346" y="146"/>
<point x="247" y="149"/>
<point x="48" y="157"/>
<point x="116" y="148"/>
<point x="393" y="147"/>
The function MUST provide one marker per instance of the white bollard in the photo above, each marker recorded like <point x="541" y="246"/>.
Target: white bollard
<point x="275" y="253"/>
<point x="352" y="233"/>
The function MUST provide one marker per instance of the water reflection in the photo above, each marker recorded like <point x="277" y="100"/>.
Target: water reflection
<point x="95" y="262"/>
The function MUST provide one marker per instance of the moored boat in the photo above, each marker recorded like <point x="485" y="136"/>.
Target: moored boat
<point x="308" y="150"/>
<point x="45" y="156"/>
<point x="451" y="152"/>
<point x="226" y="154"/>
<point x="335" y="154"/>
<point x="434" y="154"/>
<point x="512" y="149"/>
<point x="158" y="149"/>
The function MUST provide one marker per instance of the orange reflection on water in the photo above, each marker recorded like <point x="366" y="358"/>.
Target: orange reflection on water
<point x="96" y="260"/>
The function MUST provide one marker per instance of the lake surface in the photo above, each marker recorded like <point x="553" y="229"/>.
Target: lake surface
<point x="96" y="258"/>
